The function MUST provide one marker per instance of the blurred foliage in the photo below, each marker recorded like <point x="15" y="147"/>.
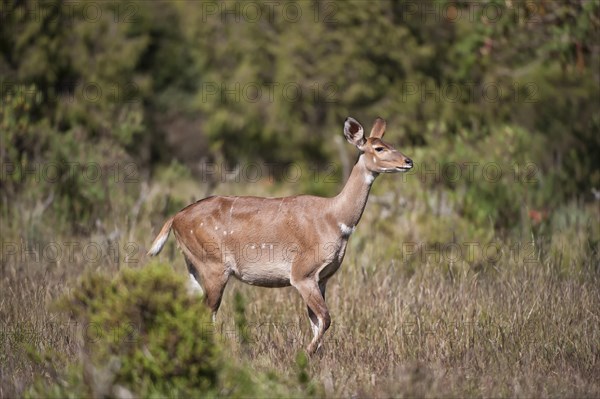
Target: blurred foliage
<point x="262" y="82"/>
<point x="145" y="336"/>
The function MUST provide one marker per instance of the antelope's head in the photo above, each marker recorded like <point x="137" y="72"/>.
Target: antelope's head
<point x="378" y="156"/>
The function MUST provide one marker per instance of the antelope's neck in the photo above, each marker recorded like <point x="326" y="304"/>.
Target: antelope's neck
<point x="349" y="204"/>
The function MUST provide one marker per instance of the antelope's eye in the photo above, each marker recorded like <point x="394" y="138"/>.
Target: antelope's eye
<point x="378" y="149"/>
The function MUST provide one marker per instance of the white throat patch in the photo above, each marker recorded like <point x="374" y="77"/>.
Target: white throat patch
<point x="346" y="230"/>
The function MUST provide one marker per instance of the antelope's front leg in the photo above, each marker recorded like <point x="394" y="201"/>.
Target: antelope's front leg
<point x="313" y="295"/>
<point x="314" y="321"/>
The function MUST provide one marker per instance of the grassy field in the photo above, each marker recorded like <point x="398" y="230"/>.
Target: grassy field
<point x="424" y="305"/>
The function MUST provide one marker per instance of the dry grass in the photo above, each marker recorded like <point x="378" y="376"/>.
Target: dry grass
<point x="525" y="323"/>
<point x="521" y="332"/>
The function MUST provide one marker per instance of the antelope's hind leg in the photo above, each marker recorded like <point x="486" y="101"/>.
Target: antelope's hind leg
<point x="194" y="286"/>
<point x="208" y="281"/>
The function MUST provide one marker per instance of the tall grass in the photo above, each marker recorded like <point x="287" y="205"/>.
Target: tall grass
<point x="425" y="304"/>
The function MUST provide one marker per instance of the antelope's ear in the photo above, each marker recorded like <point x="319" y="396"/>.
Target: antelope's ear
<point x="354" y="132"/>
<point x="378" y="128"/>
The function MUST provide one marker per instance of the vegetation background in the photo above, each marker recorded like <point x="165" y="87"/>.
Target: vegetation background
<point x="477" y="274"/>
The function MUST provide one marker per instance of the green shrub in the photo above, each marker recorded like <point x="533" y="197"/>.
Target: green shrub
<point x="145" y="335"/>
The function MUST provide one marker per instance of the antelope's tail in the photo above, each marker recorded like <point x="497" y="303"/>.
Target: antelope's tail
<point x="161" y="239"/>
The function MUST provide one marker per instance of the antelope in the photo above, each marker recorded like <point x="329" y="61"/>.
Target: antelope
<point x="297" y="241"/>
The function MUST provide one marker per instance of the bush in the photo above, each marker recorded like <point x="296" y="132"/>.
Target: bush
<point x="146" y="336"/>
